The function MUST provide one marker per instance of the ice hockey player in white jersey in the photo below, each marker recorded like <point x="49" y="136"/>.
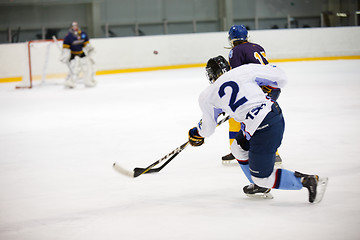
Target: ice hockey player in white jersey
<point x="237" y="93"/>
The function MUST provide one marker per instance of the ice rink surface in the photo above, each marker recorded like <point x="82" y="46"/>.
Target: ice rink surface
<point x="57" y="147"/>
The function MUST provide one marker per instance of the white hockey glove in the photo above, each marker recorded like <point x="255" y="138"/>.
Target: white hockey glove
<point x="65" y="55"/>
<point x="89" y="50"/>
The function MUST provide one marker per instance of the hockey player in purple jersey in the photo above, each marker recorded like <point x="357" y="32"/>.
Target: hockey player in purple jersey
<point x="77" y="54"/>
<point x="237" y="93"/>
<point x="244" y="52"/>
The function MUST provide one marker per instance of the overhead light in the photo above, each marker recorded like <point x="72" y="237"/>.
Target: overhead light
<point x="341" y="14"/>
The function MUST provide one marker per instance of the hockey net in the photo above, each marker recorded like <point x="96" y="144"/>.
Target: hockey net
<point x="42" y="65"/>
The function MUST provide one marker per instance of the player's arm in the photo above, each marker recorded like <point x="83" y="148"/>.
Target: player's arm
<point x="67" y="41"/>
<point x="210" y="114"/>
<point x="65" y="52"/>
<point x="204" y="128"/>
<point x="207" y="124"/>
<point x="272" y="83"/>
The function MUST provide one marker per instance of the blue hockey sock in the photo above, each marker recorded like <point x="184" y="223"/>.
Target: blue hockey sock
<point x="245" y="167"/>
<point x="286" y="180"/>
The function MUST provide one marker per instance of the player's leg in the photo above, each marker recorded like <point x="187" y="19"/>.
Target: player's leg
<point x="260" y="151"/>
<point x="74" y="71"/>
<point x="262" y="156"/>
<point x="88" y="71"/>
<point x="289" y="180"/>
<point x="234" y="128"/>
<point x="263" y="146"/>
<point x="242" y="157"/>
<point x="240" y="148"/>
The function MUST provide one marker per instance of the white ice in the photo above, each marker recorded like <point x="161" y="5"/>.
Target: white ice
<point x="57" y="147"/>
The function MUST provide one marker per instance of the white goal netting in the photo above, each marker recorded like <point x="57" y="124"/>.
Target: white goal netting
<point x="42" y="65"/>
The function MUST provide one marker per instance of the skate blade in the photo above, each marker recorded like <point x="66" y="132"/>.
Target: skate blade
<point x="229" y="163"/>
<point x="320" y="189"/>
<point x="261" y="195"/>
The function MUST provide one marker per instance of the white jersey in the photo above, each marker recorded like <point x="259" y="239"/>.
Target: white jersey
<point x="238" y="94"/>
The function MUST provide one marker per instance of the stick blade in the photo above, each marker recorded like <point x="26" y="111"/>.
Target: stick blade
<point x="123" y="171"/>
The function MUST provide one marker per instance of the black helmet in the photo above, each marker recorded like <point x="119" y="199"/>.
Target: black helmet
<point x="215" y="67"/>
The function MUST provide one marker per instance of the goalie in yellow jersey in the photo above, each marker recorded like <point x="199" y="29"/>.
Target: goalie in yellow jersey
<point x="244" y="52"/>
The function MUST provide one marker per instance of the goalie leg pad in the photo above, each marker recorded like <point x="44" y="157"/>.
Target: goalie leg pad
<point x="74" y="71"/>
<point x="88" y="71"/>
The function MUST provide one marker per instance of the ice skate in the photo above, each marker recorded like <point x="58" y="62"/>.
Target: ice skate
<point x="315" y="185"/>
<point x="91" y="83"/>
<point x="254" y="191"/>
<point x="69" y="83"/>
<point x="228" y="159"/>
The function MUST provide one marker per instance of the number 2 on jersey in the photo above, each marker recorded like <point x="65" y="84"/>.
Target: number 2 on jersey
<point x="233" y="104"/>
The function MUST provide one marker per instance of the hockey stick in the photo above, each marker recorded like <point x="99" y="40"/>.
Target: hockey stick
<point x="150" y="169"/>
<point x="139" y="171"/>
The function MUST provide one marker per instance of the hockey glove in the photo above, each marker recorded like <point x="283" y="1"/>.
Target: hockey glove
<point x="242" y="141"/>
<point x="194" y="138"/>
<point x="273" y="93"/>
<point x="65" y="55"/>
<point x="89" y="50"/>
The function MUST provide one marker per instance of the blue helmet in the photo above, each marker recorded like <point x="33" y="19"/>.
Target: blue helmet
<point x="238" y="33"/>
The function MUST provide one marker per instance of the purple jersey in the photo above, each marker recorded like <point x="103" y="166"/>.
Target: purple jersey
<point x="247" y="53"/>
<point x="76" y="41"/>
